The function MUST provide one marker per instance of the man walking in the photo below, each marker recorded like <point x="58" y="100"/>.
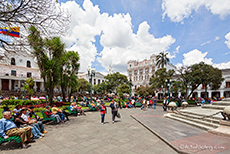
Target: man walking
<point x="165" y="103"/>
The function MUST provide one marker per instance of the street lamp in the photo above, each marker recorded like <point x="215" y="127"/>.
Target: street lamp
<point x="169" y="85"/>
<point x="130" y="85"/>
<point x="91" y="74"/>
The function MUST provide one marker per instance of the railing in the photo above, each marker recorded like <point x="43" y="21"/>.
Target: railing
<point x="19" y="75"/>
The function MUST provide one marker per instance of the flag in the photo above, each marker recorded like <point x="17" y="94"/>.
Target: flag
<point x="10" y="31"/>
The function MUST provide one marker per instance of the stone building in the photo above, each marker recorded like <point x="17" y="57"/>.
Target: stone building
<point x="140" y="72"/>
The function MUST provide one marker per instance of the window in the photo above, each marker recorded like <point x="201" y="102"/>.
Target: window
<point x="153" y="61"/>
<point x="146" y="71"/>
<point x="227" y="84"/>
<point x="135" y="72"/>
<point x="130" y="65"/>
<point x="141" y="71"/>
<point x="12" y="61"/>
<point x="102" y="80"/>
<point x="130" y="73"/>
<point x="89" y="80"/>
<point x="153" y="69"/>
<point x="28" y="63"/>
<point x="13" y="73"/>
<point x="99" y="81"/>
<point x="28" y="74"/>
<point x="94" y="81"/>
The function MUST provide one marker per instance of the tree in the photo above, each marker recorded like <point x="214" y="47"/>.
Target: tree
<point x="28" y="86"/>
<point x="122" y="89"/>
<point x="100" y="88"/>
<point x="145" y="91"/>
<point x="201" y="74"/>
<point x="48" y="53"/>
<point x="45" y="15"/>
<point x="114" y="80"/>
<point x="160" y="78"/>
<point x="162" y="59"/>
<point x="83" y="85"/>
<point x="70" y="66"/>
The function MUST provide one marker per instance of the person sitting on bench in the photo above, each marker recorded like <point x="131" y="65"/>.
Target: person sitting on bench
<point x="8" y="128"/>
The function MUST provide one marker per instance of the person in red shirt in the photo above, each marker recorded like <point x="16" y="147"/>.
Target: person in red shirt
<point x="103" y="112"/>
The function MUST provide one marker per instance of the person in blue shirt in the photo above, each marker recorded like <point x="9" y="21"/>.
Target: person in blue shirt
<point x="8" y="128"/>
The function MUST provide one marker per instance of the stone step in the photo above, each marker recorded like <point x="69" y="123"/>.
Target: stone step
<point x="221" y="103"/>
<point x="212" y="120"/>
<point x="199" y="121"/>
<point x="217" y="107"/>
<point x="204" y="127"/>
<point x="202" y="112"/>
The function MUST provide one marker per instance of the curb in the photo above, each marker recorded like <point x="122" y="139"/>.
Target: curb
<point x="163" y="139"/>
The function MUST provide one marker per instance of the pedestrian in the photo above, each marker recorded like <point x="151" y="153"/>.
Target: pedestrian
<point x="154" y="102"/>
<point x="165" y="103"/>
<point x="114" y="109"/>
<point x="119" y="103"/>
<point x="103" y="112"/>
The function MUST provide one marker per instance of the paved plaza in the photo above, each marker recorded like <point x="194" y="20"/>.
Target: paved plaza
<point x="85" y="134"/>
<point x="136" y="132"/>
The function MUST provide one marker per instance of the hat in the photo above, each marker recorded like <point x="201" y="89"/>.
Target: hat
<point x="24" y="109"/>
<point x="47" y="106"/>
<point x="31" y="107"/>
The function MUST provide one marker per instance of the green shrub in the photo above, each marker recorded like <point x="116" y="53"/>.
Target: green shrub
<point x="39" y="109"/>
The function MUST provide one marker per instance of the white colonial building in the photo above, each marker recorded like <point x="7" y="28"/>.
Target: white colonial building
<point x="15" y="68"/>
<point x="99" y="77"/>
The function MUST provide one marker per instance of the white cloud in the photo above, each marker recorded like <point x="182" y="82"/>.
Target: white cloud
<point x="120" y="43"/>
<point x="227" y="36"/>
<point x="195" y="56"/>
<point x="177" y="10"/>
<point x="216" y="38"/>
<point x="222" y="65"/>
<point x="141" y="46"/>
<point x="207" y="42"/>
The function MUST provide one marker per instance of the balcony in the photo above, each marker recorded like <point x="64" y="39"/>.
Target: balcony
<point x="18" y="75"/>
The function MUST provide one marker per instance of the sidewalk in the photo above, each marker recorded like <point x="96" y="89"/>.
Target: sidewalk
<point x="86" y="135"/>
<point x="180" y="136"/>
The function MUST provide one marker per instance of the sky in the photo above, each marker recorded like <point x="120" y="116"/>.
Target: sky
<point x="111" y="32"/>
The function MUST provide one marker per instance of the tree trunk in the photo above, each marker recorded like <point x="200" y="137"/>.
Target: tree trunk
<point x="51" y="86"/>
<point x="63" y="93"/>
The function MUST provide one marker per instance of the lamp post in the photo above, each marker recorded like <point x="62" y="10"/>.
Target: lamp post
<point x="169" y="85"/>
<point x="91" y="74"/>
<point x="130" y="85"/>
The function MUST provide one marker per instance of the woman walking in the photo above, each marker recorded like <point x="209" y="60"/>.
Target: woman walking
<point x="103" y="112"/>
<point x="114" y="110"/>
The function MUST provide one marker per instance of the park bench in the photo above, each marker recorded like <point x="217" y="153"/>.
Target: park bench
<point x="138" y="104"/>
<point x="72" y="112"/>
<point x="91" y="108"/>
<point x="11" y="138"/>
<point x="46" y="118"/>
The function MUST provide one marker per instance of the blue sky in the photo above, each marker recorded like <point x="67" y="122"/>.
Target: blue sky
<point x="191" y="31"/>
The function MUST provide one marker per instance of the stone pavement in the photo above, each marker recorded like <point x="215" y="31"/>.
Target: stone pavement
<point x="180" y="136"/>
<point x="85" y="134"/>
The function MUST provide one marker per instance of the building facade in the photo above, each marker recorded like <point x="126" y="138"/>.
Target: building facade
<point x="99" y="77"/>
<point x="15" y="69"/>
<point x="140" y="72"/>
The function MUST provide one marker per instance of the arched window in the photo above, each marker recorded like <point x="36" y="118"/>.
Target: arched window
<point x="28" y="63"/>
<point x="12" y="61"/>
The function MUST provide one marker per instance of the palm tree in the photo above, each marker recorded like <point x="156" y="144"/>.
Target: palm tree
<point x="162" y="59"/>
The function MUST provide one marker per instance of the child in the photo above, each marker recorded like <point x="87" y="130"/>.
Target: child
<point x="103" y="112"/>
